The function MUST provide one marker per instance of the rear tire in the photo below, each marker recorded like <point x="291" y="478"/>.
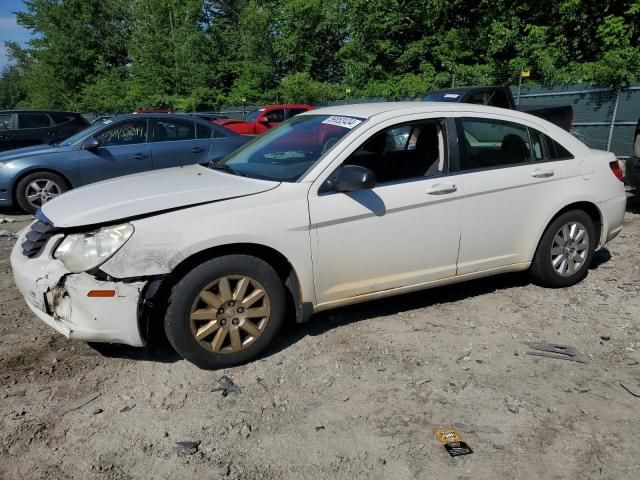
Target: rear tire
<point x="225" y="311"/>
<point x="565" y="250"/>
<point x="38" y="188"/>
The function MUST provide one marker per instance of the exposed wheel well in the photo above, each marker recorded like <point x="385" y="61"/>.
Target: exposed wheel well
<point x="14" y="192"/>
<point x="587" y="207"/>
<point x="156" y="296"/>
<point x="590" y="209"/>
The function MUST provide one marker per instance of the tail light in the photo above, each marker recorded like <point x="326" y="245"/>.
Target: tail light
<point x="617" y="170"/>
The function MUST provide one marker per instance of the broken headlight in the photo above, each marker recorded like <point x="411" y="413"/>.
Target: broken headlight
<point x="82" y="252"/>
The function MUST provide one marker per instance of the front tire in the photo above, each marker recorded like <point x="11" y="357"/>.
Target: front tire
<point x="38" y="188"/>
<point x="225" y="311"/>
<point x="565" y="250"/>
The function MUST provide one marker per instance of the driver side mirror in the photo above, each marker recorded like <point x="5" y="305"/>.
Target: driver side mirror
<point x="90" y="144"/>
<point x="352" y="178"/>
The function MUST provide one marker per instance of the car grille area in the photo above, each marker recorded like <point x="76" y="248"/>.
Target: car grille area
<point x="37" y="238"/>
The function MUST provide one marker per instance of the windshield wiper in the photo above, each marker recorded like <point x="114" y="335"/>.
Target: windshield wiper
<point x="223" y="168"/>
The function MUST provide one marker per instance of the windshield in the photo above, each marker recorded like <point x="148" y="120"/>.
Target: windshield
<point x="442" y="97"/>
<point x="82" y="135"/>
<point x="284" y="153"/>
<point x="253" y="115"/>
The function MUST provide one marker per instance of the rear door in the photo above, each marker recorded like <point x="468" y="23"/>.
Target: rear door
<point x="123" y="150"/>
<point x="175" y="142"/>
<point x="7" y="131"/>
<point x="511" y="185"/>
<point x="34" y="128"/>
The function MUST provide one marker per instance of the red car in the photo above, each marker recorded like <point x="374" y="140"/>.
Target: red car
<point x="261" y="120"/>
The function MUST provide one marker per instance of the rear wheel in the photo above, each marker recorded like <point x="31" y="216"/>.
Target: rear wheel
<point x="225" y="311"/>
<point x="565" y="250"/>
<point x="37" y="188"/>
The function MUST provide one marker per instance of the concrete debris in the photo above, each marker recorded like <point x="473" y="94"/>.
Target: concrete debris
<point x="8" y="234"/>
<point x="186" y="448"/>
<point x="554" y="350"/>
<point x="226" y="386"/>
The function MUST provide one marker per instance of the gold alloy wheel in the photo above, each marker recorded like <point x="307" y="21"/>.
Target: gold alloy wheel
<point x="230" y="313"/>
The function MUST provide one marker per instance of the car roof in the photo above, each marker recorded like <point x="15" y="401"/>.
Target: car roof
<point x="64" y="112"/>
<point x="186" y="116"/>
<point x="369" y="110"/>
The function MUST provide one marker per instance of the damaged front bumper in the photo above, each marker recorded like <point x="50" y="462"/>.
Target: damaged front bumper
<point x="60" y="299"/>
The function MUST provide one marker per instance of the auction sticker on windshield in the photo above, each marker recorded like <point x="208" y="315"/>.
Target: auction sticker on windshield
<point x="340" y="121"/>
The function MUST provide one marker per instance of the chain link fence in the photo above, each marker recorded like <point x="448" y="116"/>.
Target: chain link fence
<point x="603" y="118"/>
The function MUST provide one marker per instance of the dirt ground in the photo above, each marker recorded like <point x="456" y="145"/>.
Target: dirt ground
<point x="353" y="394"/>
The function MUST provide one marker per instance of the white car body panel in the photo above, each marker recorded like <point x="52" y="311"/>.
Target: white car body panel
<point x="343" y="248"/>
<point x="143" y="193"/>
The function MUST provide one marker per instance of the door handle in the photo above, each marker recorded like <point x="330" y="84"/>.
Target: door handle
<point x="140" y="156"/>
<point x="540" y="173"/>
<point x="197" y="150"/>
<point x="440" y="189"/>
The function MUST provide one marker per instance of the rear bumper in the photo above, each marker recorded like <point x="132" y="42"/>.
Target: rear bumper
<point x="632" y="172"/>
<point x="59" y="298"/>
<point x="613" y="215"/>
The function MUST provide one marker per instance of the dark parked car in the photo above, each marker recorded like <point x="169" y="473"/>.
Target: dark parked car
<point x="123" y="145"/>
<point x="501" y="97"/>
<point x="632" y="170"/>
<point x="23" y="128"/>
<point x="211" y="116"/>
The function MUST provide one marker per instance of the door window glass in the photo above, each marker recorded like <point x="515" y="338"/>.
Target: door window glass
<point x="33" y="120"/>
<point x="203" y="131"/>
<point x="275" y="116"/>
<point x="493" y="143"/>
<point x="296" y="111"/>
<point x="172" y="130"/>
<point x="403" y="152"/>
<point x="5" y="121"/>
<point x="557" y="151"/>
<point x="537" y="145"/>
<point x="126" y="133"/>
<point x="59" y="118"/>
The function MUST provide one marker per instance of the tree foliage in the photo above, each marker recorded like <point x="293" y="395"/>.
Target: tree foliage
<point x="116" y="55"/>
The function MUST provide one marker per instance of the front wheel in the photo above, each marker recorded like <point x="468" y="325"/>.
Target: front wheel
<point x="37" y="188"/>
<point x="565" y="250"/>
<point x="225" y="311"/>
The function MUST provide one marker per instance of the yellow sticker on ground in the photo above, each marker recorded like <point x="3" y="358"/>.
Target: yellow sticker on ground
<point x="447" y="435"/>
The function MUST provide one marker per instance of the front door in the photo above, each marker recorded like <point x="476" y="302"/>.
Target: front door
<point x="269" y="119"/>
<point x="403" y="232"/>
<point x="511" y="184"/>
<point x="123" y="150"/>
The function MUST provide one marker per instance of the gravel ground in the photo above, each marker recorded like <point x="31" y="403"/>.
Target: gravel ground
<point x="355" y="393"/>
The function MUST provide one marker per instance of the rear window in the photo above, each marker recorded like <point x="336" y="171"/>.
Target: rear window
<point x="557" y="151"/>
<point x="33" y="120"/>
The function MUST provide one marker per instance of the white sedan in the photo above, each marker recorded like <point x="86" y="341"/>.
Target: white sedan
<point x="336" y="206"/>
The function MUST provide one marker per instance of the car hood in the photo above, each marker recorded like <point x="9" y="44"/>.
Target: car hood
<point x="19" y="153"/>
<point x="148" y="193"/>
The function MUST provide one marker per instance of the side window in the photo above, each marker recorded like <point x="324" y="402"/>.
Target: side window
<point x="5" y="121"/>
<point x="218" y="133"/>
<point x="275" y="116"/>
<point x="537" y="145"/>
<point x="203" y="131"/>
<point x="492" y="143"/>
<point x="403" y="152"/>
<point x="557" y="151"/>
<point x="499" y="100"/>
<point x="166" y="130"/>
<point x="60" y="119"/>
<point x="478" y="98"/>
<point x="295" y="111"/>
<point x="33" y="120"/>
<point x="126" y="133"/>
